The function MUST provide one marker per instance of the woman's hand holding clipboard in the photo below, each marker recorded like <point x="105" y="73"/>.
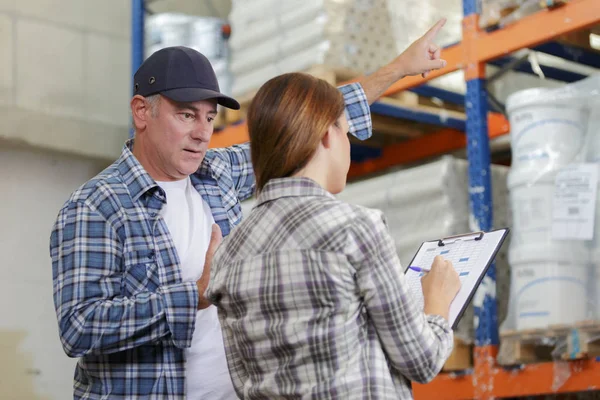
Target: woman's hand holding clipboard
<point x="469" y="256"/>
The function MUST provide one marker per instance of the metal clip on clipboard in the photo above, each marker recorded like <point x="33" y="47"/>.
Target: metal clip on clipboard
<point x="456" y="237"/>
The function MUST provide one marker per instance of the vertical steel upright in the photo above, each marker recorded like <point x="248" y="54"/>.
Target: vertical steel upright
<point x="137" y="39"/>
<point x="480" y="195"/>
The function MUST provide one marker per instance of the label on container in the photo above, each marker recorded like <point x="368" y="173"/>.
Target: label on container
<point x="574" y="204"/>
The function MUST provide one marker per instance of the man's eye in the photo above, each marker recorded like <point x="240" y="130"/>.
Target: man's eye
<point x="211" y="119"/>
<point x="188" y="116"/>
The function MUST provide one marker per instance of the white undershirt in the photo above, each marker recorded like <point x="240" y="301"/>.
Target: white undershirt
<point x="189" y="220"/>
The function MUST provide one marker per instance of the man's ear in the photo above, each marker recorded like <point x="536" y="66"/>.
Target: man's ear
<point x="139" y="112"/>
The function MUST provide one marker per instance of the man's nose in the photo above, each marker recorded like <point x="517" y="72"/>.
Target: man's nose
<point x="203" y="131"/>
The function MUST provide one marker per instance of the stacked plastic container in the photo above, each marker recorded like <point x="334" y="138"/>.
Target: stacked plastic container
<point x="551" y="260"/>
<point x="201" y="33"/>
<point x="593" y="156"/>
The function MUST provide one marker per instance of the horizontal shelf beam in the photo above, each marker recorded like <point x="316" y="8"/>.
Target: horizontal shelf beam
<point x="579" y="55"/>
<point x="438" y="118"/>
<point x="429" y="145"/>
<point x="442" y="94"/>
<point x="549" y="72"/>
<point x="449" y="138"/>
<point x="232" y="134"/>
<point x="532" y="380"/>
<point x="235" y="134"/>
<point x="537" y="28"/>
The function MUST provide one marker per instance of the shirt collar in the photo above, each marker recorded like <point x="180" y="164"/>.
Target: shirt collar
<point x="137" y="179"/>
<point x="134" y="175"/>
<point x="291" y="187"/>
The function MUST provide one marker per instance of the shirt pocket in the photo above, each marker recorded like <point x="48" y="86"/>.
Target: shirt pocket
<point x="139" y="275"/>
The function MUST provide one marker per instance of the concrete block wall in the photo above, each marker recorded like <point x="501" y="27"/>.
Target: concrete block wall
<point x="65" y="74"/>
<point x="64" y="115"/>
<point x="35" y="185"/>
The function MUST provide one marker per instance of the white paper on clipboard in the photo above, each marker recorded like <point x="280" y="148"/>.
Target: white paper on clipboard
<point x="471" y="255"/>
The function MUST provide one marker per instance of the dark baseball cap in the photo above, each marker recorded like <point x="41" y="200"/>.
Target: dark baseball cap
<point x="181" y="74"/>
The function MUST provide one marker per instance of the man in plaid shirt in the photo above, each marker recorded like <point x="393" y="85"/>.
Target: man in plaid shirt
<point x="131" y="248"/>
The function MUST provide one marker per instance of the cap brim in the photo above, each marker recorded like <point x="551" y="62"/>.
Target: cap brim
<point x="190" y="95"/>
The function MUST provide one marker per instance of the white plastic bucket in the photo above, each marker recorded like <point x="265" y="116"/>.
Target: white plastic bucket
<point x="596" y="240"/>
<point x="595" y="244"/>
<point x="546" y="132"/>
<point x="531" y="197"/>
<point x="594" y="156"/>
<point x="594" y="133"/>
<point x="595" y="284"/>
<point x="174" y="29"/>
<point x="549" y="285"/>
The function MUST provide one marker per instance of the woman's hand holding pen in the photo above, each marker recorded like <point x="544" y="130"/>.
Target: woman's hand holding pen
<point x="440" y="286"/>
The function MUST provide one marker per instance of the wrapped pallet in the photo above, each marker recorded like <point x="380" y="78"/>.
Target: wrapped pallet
<point x="555" y="251"/>
<point x="271" y="37"/>
<point x="552" y="183"/>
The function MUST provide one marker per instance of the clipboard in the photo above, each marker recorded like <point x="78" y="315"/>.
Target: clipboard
<point x="471" y="255"/>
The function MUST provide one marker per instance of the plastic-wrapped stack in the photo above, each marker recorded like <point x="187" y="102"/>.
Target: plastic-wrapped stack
<point x="555" y="143"/>
<point x="271" y="37"/>
<point x="200" y="33"/>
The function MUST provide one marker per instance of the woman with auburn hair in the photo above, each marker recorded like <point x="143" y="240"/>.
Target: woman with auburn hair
<point x="310" y="292"/>
<point x="311" y="295"/>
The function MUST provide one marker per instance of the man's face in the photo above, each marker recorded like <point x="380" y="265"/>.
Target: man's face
<point x="178" y="135"/>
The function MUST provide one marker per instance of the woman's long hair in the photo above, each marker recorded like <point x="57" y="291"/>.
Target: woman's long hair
<point x="287" y="119"/>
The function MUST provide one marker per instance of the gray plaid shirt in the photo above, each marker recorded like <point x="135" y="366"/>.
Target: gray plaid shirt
<point x="314" y="304"/>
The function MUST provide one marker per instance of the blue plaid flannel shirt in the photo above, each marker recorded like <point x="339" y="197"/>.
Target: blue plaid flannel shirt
<point x="121" y="305"/>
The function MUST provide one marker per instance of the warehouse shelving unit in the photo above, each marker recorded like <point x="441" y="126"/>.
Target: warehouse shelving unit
<point x="478" y="48"/>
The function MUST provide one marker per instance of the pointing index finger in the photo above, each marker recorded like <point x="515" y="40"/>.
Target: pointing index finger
<point x="431" y="33"/>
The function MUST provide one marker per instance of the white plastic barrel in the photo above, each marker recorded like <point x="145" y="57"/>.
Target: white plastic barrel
<point x="531" y="197"/>
<point x="595" y="284"/>
<point x="547" y="132"/>
<point x="549" y="285"/>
